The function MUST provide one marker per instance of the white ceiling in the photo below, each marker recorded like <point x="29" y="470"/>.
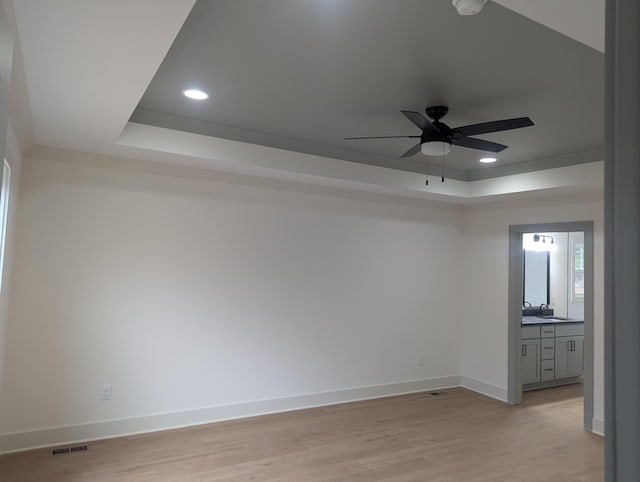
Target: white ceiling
<point x="87" y="64"/>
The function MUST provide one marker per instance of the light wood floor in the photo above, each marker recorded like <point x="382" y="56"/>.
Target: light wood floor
<point x="456" y="436"/>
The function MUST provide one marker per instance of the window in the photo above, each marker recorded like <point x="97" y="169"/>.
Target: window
<point x="4" y="211"/>
<point x="577" y="270"/>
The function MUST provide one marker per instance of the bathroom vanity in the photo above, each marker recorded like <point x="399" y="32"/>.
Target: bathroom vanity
<point x="552" y="351"/>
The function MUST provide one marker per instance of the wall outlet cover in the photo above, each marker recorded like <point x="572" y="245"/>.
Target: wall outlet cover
<point x="105" y="392"/>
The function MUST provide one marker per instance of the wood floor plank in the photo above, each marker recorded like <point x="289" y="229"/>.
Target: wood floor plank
<point x="456" y="436"/>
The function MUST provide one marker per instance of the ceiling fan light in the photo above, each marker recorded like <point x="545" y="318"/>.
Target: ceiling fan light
<point x="468" y="7"/>
<point x="435" y="148"/>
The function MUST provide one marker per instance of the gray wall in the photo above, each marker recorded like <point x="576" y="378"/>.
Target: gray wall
<point x="622" y="213"/>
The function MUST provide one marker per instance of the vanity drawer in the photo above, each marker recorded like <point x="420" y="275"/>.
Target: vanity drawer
<point x="547" y="348"/>
<point x="530" y="332"/>
<point x="570" y="330"/>
<point x="547" y="331"/>
<point x="547" y="371"/>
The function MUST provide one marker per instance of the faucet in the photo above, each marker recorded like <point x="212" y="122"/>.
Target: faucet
<point x="543" y="306"/>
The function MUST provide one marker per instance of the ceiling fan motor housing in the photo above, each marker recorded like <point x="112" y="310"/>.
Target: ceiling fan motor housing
<point x="444" y="133"/>
<point x="437" y="112"/>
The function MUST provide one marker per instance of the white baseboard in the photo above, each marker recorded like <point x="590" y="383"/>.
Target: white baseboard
<point x="17" y="442"/>
<point x="597" y="426"/>
<point x="484" y="388"/>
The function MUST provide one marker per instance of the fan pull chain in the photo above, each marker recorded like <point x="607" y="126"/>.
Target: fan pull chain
<point x="443" y="165"/>
<point x="427" y="183"/>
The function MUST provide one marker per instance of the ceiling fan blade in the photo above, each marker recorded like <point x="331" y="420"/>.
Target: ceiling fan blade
<point x="413" y="151"/>
<point x="478" y="144"/>
<point x="494" y="126"/>
<point x="422" y="122"/>
<point x="382" y="137"/>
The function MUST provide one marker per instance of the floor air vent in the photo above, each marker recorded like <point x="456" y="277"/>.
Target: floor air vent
<point x="70" y="450"/>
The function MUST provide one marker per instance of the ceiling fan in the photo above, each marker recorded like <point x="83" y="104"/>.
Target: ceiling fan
<point x="437" y="137"/>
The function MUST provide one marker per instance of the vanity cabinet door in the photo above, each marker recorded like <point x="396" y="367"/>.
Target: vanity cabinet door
<point x="530" y="352"/>
<point x="577" y="356"/>
<point x="563" y="346"/>
<point x="569" y="356"/>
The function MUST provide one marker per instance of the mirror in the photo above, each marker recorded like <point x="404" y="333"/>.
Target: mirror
<point x="536" y="277"/>
<point x="555" y="277"/>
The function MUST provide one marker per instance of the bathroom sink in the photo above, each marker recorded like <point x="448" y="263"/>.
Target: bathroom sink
<point x="555" y="318"/>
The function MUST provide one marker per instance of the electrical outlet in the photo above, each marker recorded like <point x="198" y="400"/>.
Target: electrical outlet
<point x="420" y="360"/>
<point x="105" y="392"/>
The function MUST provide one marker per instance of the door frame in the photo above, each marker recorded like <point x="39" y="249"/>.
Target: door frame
<point x="514" y="388"/>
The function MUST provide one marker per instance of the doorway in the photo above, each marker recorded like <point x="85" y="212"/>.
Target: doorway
<point x="517" y="267"/>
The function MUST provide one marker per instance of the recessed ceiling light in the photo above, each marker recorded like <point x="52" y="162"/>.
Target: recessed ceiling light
<point x="488" y="160"/>
<point x="195" y="94"/>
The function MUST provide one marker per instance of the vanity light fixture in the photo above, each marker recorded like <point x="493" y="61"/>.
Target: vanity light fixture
<point x="195" y="94"/>
<point x="542" y="242"/>
<point x="488" y="160"/>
